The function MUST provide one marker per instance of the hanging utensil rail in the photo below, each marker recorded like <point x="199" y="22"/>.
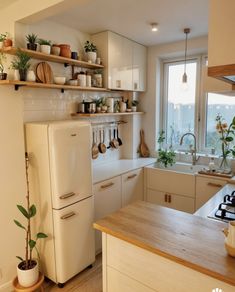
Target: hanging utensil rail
<point x="108" y="123"/>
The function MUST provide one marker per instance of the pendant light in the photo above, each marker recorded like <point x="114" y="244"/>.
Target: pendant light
<point x="185" y="77"/>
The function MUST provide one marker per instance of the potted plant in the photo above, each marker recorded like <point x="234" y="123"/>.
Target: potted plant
<point x="134" y="104"/>
<point x="45" y="46"/>
<point x="2" y="38"/>
<point x="7" y="42"/>
<point x="164" y="156"/>
<point x="91" y="51"/>
<point x="27" y="269"/>
<point x="32" y="41"/>
<point x="98" y="104"/>
<point x="3" y="75"/>
<point x="21" y="63"/>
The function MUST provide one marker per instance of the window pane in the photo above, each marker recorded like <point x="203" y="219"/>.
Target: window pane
<point x="180" y="102"/>
<point x="218" y="104"/>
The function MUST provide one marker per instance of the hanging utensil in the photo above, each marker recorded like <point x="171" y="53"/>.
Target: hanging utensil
<point x="94" y="149"/>
<point x="102" y="146"/>
<point x="119" y="139"/>
<point x="143" y="148"/>
<point x="115" y="141"/>
<point x="110" y="140"/>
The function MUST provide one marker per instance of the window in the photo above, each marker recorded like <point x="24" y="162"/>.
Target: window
<point x="179" y="106"/>
<point x="186" y="109"/>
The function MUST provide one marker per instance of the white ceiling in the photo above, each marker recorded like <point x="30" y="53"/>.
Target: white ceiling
<point x="132" y="18"/>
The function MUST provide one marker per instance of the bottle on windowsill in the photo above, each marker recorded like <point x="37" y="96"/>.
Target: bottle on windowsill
<point x="211" y="165"/>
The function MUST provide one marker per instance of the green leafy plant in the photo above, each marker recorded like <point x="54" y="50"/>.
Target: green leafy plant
<point x="98" y="71"/>
<point x="28" y="212"/>
<point x="21" y="62"/>
<point x="165" y="157"/>
<point x="89" y="47"/>
<point x="31" y="38"/>
<point x="134" y="102"/>
<point x="44" y="42"/>
<point x="99" y="102"/>
<point x="4" y="36"/>
<point x="2" y="60"/>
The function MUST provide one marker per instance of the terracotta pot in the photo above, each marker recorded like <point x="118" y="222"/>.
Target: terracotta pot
<point x="65" y="51"/>
<point x="55" y="50"/>
<point x="7" y="43"/>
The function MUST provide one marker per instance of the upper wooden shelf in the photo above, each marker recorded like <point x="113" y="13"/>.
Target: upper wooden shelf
<point x="18" y="84"/>
<point x="105" y="114"/>
<point x="52" y="58"/>
<point x="225" y="73"/>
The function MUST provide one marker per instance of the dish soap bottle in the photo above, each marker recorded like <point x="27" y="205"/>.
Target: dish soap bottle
<point x="211" y="165"/>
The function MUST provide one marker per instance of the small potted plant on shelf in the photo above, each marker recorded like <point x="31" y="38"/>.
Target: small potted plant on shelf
<point x="21" y="63"/>
<point x="91" y="51"/>
<point x="27" y="269"/>
<point x="45" y="46"/>
<point x="2" y="38"/>
<point x="7" y="42"/>
<point x="98" y="105"/>
<point x="32" y="41"/>
<point x="3" y="75"/>
<point x="134" y="104"/>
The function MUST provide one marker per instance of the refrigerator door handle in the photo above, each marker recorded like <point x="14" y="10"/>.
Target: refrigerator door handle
<point x="66" y="196"/>
<point x="71" y="214"/>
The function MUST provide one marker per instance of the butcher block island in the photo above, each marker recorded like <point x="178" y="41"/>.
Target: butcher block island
<point x="152" y="248"/>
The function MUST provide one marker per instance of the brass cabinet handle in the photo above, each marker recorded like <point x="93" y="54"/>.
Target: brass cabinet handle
<point x="107" y="185"/>
<point x="214" y="185"/>
<point x="69" y="215"/>
<point x="169" y="198"/>
<point x="132" y="176"/>
<point x="66" y="196"/>
<point x="166" y="198"/>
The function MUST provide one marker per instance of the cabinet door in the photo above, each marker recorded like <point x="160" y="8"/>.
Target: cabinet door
<point x="206" y="188"/>
<point x="139" y="67"/>
<point x="108" y="199"/>
<point x="132" y="186"/>
<point x="173" y="201"/>
<point x="119" y="62"/>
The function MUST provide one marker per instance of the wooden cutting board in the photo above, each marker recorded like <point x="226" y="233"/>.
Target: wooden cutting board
<point x="44" y="73"/>
<point x="143" y="148"/>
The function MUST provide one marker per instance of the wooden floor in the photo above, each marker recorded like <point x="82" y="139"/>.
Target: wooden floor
<point x="90" y="280"/>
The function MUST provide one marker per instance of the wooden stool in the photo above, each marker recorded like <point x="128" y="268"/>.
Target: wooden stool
<point x="19" y="288"/>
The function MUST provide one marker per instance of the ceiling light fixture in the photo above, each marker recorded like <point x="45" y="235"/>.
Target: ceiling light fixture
<point x="154" y="26"/>
<point x="185" y="77"/>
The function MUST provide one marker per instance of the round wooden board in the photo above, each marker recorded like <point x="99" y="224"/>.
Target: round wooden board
<point x="44" y="73"/>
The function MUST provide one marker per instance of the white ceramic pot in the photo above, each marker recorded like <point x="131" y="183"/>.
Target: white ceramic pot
<point x="134" y="108"/>
<point x="122" y="106"/>
<point x="55" y="50"/>
<point x="31" y="76"/>
<point x="46" y="49"/>
<point x="91" y="56"/>
<point x="110" y="104"/>
<point x="16" y="75"/>
<point x="27" y="278"/>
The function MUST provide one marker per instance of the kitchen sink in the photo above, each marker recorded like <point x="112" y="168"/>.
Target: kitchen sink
<point x="181" y="167"/>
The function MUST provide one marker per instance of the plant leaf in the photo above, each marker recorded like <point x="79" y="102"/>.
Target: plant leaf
<point x="23" y="211"/>
<point x="229" y="139"/>
<point x="32" y="244"/>
<point x="32" y="211"/>
<point x="19" y="224"/>
<point x="41" y="235"/>
<point x="233" y="122"/>
<point x="20" y="258"/>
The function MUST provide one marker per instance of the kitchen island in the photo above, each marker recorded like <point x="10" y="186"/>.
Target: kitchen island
<point x="151" y="248"/>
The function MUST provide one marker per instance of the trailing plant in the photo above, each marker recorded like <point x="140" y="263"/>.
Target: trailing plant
<point x="21" y="62"/>
<point x="44" y="42"/>
<point x="89" y="47"/>
<point x="165" y="157"/>
<point x="134" y="102"/>
<point x="28" y="212"/>
<point x="31" y="38"/>
<point x="2" y="60"/>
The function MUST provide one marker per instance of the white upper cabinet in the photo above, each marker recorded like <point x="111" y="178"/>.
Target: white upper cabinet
<point x="124" y="61"/>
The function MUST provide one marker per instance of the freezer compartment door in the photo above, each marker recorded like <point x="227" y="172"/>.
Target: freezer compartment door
<point x="74" y="239"/>
<point x="70" y="163"/>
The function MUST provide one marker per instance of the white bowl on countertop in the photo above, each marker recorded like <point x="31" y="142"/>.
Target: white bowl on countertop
<point x="59" y="80"/>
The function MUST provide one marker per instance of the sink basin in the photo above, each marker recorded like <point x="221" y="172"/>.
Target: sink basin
<point x="181" y="167"/>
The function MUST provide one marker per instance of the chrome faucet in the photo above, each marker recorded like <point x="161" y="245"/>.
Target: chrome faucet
<point x="193" y="151"/>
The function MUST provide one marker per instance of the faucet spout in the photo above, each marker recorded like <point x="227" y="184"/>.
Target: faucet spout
<point x="193" y="151"/>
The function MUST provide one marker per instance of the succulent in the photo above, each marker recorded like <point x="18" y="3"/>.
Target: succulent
<point x="44" y="42"/>
<point x="32" y="38"/>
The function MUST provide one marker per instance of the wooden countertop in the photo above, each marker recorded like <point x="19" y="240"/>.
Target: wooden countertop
<point x="192" y="241"/>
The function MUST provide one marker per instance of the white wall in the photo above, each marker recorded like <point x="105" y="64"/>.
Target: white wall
<point x="150" y="99"/>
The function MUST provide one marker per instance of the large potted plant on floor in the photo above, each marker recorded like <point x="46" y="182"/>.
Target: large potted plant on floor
<point x="21" y="63"/>
<point x="27" y="269"/>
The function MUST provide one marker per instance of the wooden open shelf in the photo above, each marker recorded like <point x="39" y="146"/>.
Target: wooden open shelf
<point x="105" y="114"/>
<point x="224" y="73"/>
<point x="18" y="84"/>
<point x="52" y="58"/>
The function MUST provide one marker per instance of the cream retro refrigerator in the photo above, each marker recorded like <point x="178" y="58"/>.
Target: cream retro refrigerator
<point x="61" y="187"/>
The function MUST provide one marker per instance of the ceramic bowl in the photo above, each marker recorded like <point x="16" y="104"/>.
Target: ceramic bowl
<point x="73" y="82"/>
<point x="59" y="80"/>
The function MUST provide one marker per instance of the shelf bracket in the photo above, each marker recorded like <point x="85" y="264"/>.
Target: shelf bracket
<point x="66" y="65"/>
<point x="62" y="90"/>
<point x="17" y="86"/>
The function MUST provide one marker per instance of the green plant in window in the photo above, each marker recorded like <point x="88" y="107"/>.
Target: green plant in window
<point x="165" y="156"/>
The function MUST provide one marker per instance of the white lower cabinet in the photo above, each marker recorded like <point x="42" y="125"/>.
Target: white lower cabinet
<point x="132" y="186"/>
<point x="206" y="188"/>
<point x="108" y="199"/>
<point x="173" y="201"/>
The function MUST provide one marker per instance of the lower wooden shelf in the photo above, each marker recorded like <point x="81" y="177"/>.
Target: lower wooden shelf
<point x="18" y="84"/>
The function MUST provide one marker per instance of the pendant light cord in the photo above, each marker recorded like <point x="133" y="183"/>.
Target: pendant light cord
<point x="186" y="49"/>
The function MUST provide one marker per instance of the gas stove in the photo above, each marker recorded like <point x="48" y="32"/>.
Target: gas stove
<point x="226" y="210"/>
